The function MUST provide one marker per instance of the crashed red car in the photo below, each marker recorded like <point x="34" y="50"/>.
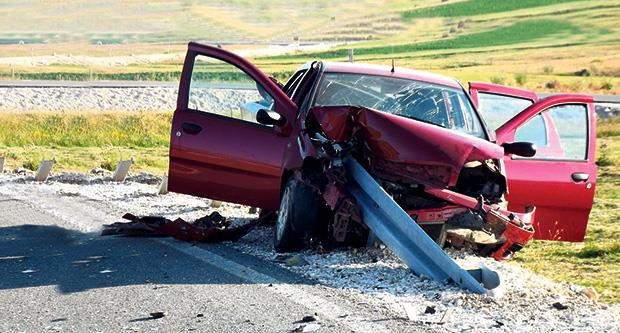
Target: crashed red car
<point x="488" y="169"/>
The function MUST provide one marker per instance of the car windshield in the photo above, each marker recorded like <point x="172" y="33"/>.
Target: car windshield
<point x="431" y="103"/>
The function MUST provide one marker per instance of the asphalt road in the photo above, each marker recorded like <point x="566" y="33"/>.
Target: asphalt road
<point x="54" y="277"/>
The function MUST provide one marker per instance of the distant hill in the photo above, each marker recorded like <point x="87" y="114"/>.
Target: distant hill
<point x="553" y="45"/>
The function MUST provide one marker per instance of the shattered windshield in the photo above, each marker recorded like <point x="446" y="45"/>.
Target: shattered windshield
<point x="431" y="103"/>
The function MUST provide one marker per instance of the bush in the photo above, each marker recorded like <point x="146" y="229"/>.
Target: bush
<point x="498" y="79"/>
<point x="521" y="79"/>
<point x="548" y="69"/>
<point x="603" y="158"/>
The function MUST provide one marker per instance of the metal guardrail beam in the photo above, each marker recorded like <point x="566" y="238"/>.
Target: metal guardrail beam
<point x="395" y="228"/>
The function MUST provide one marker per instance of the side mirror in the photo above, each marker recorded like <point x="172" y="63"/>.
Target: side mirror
<point x="266" y="117"/>
<point x="525" y="149"/>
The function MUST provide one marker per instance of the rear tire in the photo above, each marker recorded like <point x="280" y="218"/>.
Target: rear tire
<point x="300" y="210"/>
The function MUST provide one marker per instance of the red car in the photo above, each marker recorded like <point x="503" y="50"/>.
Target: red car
<point x="450" y="158"/>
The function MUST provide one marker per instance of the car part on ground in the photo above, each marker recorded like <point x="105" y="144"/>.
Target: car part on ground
<point x="210" y="228"/>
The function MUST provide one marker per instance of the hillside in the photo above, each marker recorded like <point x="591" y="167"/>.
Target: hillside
<point x="547" y="45"/>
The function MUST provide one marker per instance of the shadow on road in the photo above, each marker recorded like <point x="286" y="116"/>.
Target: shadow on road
<point x="41" y="255"/>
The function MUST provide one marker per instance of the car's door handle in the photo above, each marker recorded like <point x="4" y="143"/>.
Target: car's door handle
<point x="580" y="176"/>
<point x="190" y="128"/>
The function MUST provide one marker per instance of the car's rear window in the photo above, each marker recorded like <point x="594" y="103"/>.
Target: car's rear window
<point x="431" y="103"/>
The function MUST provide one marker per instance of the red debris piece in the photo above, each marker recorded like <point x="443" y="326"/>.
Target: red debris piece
<point x="212" y="228"/>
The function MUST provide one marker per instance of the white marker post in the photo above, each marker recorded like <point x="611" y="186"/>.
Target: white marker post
<point x="163" y="187"/>
<point x="1" y="164"/>
<point x="122" y="170"/>
<point x="44" y="170"/>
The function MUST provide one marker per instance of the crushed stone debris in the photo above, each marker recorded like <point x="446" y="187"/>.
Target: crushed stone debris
<point x="157" y="315"/>
<point x="373" y="276"/>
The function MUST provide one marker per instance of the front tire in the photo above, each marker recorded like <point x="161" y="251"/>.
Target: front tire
<point x="300" y="208"/>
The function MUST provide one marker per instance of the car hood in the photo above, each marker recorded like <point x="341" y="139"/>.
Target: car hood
<point x="397" y="140"/>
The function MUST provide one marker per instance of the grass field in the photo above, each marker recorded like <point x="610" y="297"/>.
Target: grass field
<point x="477" y="7"/>
<point x="81" y="142"/>
<point x="539" y="45"/>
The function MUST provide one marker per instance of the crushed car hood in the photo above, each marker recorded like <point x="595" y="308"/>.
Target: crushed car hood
<point x="397" y="140"/>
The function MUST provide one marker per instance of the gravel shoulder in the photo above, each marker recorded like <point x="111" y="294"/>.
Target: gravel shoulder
<point x="371" y="281"/>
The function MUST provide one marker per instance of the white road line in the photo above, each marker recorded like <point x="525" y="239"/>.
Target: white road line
<point x="321" y="306"/>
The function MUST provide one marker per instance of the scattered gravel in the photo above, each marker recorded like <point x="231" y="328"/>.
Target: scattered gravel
<point x="93" y="99"/>
<point x="87" y="99"/>
<point x="369" y="275"/>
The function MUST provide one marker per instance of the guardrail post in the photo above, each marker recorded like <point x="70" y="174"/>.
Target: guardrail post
<point x="44" y="170"/>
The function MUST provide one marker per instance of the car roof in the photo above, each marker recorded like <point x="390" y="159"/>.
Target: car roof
<point x="381" y="70"/>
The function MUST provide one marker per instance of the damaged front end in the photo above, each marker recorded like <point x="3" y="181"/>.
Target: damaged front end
<point x="451" y="184"/>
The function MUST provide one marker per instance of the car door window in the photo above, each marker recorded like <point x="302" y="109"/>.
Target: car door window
<point x="220" y="88"/>
<point x="534" y="131"/>
<point x="562" y="129"/>
<point x="498" y="109"/>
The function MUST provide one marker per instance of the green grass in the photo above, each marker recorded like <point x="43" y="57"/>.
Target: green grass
<point x="84" y="159"/>
<point x="477" y="7"/>
<point x="608" y="128"/>
<point x="147" y="130"/>
<point x="520" y="32"/>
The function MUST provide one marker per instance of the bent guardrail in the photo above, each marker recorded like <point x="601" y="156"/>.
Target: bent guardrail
<point x="397" y="230"/>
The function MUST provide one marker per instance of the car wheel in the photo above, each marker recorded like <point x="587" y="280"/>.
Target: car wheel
<point x="300" y="208"/>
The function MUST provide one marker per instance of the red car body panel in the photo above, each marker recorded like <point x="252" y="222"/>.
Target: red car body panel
<point x="476" y="87"/>
<point x="563" y="205"/>
<point x="241" y="162"/>
<point x="229" y="159"/>
<point x="390" y="138"/>
<point x="400" y="73"/>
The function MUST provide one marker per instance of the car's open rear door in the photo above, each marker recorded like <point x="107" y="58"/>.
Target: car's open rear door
<point x="560" y="179"/>
<point x="497" y="103"/>
<point x="217" y="148"/>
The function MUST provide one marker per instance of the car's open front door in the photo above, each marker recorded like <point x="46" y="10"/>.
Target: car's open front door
<point x="217" y="148"/>
<point x="560" y="179"/>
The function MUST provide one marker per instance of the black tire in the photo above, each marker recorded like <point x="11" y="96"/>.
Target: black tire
<point x="300" y="210"/>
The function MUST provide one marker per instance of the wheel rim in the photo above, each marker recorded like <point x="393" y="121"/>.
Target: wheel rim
<point x="282" y="214"/>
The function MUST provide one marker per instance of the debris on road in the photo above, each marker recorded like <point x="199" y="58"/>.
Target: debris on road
<point x="157" y="315"/>
<point x="307" y="328"/>
<point x="296" y="260"/>
<point x="430" y="310"/>
<point x="559" y="306"/>
<point x="211" y="228"/>
<point x="308" y="319"/>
